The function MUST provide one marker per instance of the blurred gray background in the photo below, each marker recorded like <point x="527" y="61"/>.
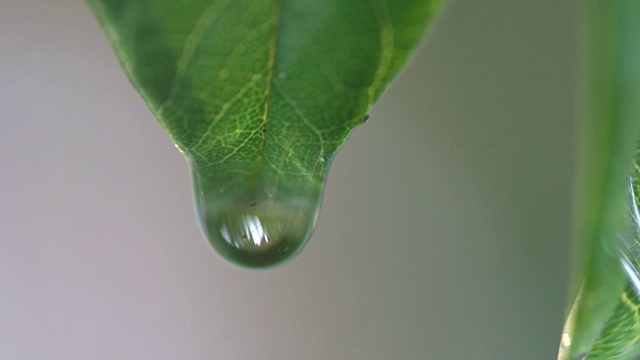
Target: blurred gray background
<point x="444" y="232"/>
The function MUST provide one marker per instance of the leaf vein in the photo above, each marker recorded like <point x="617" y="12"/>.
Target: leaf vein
<point x="226" y="108"/>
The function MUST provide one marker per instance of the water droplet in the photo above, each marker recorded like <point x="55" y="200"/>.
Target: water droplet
<point x="629" y="248"/>
<point x="282" y="75"/>
<point x="256" y="222"/>
<point x="321" y="159"/>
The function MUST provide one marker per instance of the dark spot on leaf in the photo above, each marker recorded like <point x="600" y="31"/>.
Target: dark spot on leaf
<point x="366" y="117"/>
<point x="252" y="203"/>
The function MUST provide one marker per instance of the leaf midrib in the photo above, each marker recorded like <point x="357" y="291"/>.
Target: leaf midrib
<point x="270" y="68"/>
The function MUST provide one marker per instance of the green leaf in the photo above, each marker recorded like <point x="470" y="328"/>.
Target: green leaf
<point x="259" y="95"/>
<point x="603" y="323"/>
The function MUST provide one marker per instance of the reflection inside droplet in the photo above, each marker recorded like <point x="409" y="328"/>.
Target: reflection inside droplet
<point x="249" y="232"/>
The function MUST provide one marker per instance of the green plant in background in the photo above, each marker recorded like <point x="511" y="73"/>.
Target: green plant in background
<point x="604" y="322"/>
<point x="259" y="96"/>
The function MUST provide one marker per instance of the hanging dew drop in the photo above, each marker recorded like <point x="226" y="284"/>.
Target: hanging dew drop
<point x="249" y="225"/>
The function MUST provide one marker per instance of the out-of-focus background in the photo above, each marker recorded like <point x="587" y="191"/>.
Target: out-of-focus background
<point x="444" y="232"/>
